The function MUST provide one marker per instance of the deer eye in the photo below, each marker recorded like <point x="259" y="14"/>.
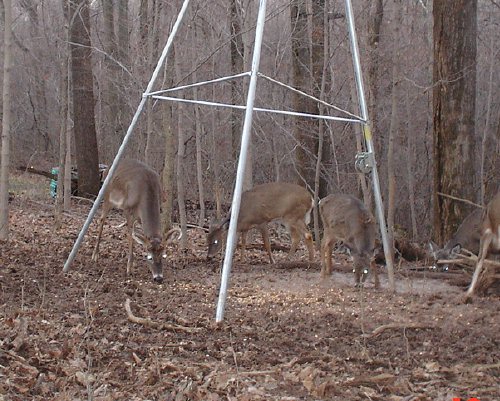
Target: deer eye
<point x="149" y="257"/>
<point x="216" y="241"/>
<point x="164" y="256"/>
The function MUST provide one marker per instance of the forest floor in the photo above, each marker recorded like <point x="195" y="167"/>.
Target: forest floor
<point x="286" y="335"/>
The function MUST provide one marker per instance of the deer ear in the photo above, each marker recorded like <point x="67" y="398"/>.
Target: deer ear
<point x="456" y="249"/>
<point x="433" y="246"/>
<point x="139" y="238"/>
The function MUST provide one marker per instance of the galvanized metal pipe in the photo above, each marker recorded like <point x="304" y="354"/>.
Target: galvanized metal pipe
<point x="245" y="141"/>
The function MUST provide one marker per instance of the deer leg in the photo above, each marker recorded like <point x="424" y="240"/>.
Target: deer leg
<point x="374" y="269"/>
<point x="326" y="256"/>
<point x="130" y="229"/>
<point x="267" y="244"/>
<point x="485" y="244"/>
<point x="104" y="213"/>
<point x="295" y="236"/>
<point x="307" y="239"/>
<point x="243" y="245"/>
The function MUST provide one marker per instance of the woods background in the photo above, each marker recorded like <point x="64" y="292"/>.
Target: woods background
<point x="115" y="45"/>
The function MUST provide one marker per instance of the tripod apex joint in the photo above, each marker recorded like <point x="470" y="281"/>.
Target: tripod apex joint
<point x="364" y="162"/>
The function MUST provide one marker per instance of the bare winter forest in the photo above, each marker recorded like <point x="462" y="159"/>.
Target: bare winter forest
<point x="74" y="73"/>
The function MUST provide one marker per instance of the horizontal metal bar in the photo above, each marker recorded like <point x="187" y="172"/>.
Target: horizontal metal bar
<point x="233" y="106"/>
<point x="243" y="74"/>
<point x="274" y="81"/>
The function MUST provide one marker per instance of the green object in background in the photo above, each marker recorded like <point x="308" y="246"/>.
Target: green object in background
<point x="53" y="183"/>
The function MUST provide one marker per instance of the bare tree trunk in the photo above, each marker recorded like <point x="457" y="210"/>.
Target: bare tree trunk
<point x="5" y="162"/>
<point x="237" y="65"/>
<point x="321" y="133"/>
<point x="391" y="177"/>
<point x="484" y="136"/>
<point x="199" y="167"/>
<point x="454" y="98"/>
<point x="410" y="167"/>
<point x="61" y="182"/>
<point x="393" y="132"/>
<point x="83" y="101"/>
<point x="375" y="18"/>
<point x="181" y="154"/>
<point x="169" y="163"/>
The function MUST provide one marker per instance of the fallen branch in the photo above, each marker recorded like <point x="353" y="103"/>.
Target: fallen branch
<point x="469" y="260"/>
<point x="138" y="320"/>
<point x="383" y="378"/>
<point x="156" y="325"/>
<point x="392" y="326"/>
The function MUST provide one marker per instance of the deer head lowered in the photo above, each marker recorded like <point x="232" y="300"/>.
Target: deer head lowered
<point x="468" y="236"/>
<point x="345" y="218"/>
<point x="290" y="203"/>
<point x="135" y="189"/>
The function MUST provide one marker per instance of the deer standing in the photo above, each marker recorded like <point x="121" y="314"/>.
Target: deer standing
<point x="135" y="189"/>
<point x="490" y="239"/>
<point x="345" y="218"/>
<point x="290" y="203"/>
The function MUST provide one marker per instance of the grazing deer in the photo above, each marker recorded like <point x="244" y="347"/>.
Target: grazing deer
<point x="345" y="218"/>
<point x="490" y="239"/>
<point x="287" y="202"/>
<point x="468" y="236"/>
<point x="135" y="189"/>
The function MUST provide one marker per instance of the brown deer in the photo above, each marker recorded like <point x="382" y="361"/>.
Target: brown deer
<point x="345" y="218"/>
<point x="135" y="188"/>
<point x="290" y="203"/>
<point x="490" y="239"/>
<point x="468" y="236"/>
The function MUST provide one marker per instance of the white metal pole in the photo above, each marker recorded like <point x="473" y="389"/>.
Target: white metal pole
<point x="369" y="141"/>
<point x="245" y="140"/>
<point x="121" y="150"/>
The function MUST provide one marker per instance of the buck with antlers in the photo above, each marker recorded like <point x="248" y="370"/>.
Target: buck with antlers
<point x="135" y="188"/>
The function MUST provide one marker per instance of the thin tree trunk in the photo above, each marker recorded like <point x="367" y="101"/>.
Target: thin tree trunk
<point x="391" y="177"/>
<point x="5" y="153"/>
<point x="321" y="133"/>
<point x="169" y="163"/>
<point x="237" y="61"/>
<point x="199" y="167"/>
<point x="410" y="166"/>
<point x="59" y="204"/>
<point x="181" y="176"/>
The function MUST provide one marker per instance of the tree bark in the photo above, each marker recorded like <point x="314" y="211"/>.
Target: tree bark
<point x="454" y="98"/>
<point x="5" y="153"/>
<point x="237" y="65"/>
<point x="83" y="101"/>
<point x="307" y="54"/>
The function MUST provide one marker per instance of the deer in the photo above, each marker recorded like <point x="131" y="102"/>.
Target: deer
<point x="289" y="203"/>
<point x="490" y="239"/>
<point x="135" y="188"/>
<point x="345" y="218"/>
<point x="468" y="236"/>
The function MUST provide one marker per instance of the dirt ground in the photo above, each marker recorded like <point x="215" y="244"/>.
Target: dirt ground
<point x="286" y="334"/>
